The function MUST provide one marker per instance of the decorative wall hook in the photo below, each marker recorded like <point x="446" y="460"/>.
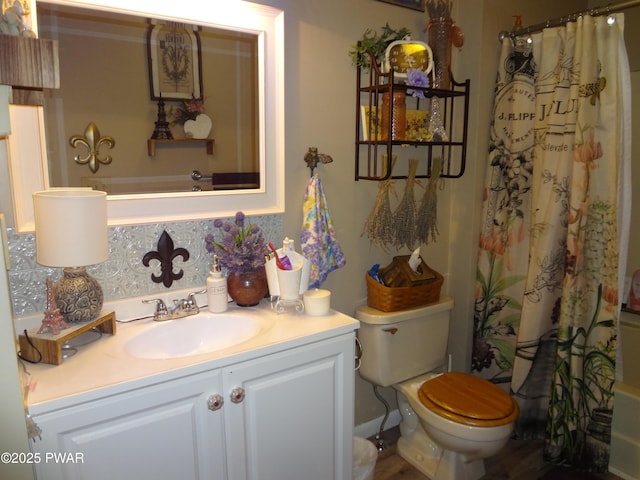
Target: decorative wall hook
<point x="92" y="141"/>
<point x="165" y="255"/>
<point x="312" y="157"/>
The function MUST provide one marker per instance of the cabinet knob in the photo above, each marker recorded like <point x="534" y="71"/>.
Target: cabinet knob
<point x="215" y="402"/>
<point x="237" y="395"/>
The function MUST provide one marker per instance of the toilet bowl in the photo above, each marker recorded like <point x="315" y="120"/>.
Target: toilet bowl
<point x="461" y="420"/>
<point x="451" y="421"/>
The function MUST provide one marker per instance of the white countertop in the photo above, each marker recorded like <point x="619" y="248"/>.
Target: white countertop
<point x="106" y="368"/>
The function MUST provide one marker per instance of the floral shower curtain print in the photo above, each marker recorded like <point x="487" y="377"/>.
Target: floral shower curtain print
<point x="548" y="276"/>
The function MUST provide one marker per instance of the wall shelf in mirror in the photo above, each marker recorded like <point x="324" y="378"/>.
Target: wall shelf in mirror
<point x="152" y="142"/>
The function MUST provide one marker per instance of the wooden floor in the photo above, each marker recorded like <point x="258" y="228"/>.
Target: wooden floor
<point x="519" y="460"/>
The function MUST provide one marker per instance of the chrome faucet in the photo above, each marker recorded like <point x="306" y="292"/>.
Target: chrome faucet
<point x="181" y="308"/>
<point x="187" y="306"/>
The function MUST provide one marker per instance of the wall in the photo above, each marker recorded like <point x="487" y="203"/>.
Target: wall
<point x="320" y="111"/>
<point x="633" y="261"/>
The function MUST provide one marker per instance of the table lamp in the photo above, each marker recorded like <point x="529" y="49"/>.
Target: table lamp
<point x="71" y="232"/>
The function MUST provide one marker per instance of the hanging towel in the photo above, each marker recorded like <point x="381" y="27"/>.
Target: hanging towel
<point x="318" y="237"/>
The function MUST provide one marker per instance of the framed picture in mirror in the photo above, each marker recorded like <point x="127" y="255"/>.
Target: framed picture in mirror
<point x="412" y="4"/>
<point x="175" y="61"/>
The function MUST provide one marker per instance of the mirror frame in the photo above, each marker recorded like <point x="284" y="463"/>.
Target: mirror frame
<point x="27" y="145"/>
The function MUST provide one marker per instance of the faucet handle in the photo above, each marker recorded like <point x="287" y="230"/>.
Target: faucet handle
<point x="199" y="292"/>
<point x="161" y="307"/>
<point x="191" y="299"/>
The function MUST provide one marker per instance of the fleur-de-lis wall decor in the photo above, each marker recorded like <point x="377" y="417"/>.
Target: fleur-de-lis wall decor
<point x="165" y="255"/>
<point x="92" y="141"/>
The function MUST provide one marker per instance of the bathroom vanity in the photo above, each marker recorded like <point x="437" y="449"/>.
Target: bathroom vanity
<point x="276" y="406"/>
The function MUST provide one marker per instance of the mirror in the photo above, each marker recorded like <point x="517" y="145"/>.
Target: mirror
<point x="252" y="27"/>
<point x="106" y="77"/>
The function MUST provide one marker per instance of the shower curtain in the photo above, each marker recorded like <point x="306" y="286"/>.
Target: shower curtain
<point x="554" y="215"/>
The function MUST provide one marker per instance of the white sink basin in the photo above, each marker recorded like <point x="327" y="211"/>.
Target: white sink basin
<point x="194" y="335"/>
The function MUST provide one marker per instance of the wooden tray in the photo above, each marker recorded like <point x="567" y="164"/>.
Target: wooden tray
<point x="50" y="346"/>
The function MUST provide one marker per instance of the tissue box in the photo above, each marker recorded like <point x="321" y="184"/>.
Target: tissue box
<point x="399" y="274"/>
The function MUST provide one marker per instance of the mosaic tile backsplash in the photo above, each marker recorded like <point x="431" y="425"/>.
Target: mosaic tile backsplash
<point x="123" y="275"/>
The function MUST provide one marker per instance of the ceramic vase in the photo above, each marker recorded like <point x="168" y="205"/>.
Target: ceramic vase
<point x="247" y="288"/>
<point x="198" y="128"/>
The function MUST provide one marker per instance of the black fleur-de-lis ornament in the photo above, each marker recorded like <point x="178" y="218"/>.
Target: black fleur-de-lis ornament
<point x="165" y="254"/>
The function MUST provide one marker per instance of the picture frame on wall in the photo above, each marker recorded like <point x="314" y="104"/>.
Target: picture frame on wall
<point x="371" y="123"/>
<point x="417" y="125"/>
<point x="419" y="5"/>
<point x="175" y="61"/>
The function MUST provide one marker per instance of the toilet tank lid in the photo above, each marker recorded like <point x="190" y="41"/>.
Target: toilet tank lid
<point x="374" y="316"/>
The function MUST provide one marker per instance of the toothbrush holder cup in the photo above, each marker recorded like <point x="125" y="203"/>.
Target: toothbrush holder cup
<point x="289" y="283"/>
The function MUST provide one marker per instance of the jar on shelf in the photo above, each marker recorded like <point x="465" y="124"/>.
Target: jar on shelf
<point x="398" y="116"/>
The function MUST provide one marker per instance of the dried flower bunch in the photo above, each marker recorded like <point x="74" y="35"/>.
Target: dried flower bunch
<point x="404" y="216"/>
<point x="241" y="248"/>
<point x="187" y="110"/>
<point x="416" y="78"/>
<point x="380" y="225"/>
<point x="439" y="8"/>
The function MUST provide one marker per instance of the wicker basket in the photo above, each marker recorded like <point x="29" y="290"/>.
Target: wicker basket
<point x="390" y="299"/>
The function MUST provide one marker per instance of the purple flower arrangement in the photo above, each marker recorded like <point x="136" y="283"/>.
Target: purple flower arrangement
<point x="416" y="78"/>
<point x="242" y="247"/>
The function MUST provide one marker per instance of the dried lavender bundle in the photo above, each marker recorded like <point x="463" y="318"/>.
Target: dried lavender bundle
<point x="439" y="8"/>
<point x="427" y="218"/>
<point x="405" y="214"/>
<point x="379" y="226"/>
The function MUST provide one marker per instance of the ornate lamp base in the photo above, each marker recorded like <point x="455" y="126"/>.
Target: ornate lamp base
<point x="78" y="295"/>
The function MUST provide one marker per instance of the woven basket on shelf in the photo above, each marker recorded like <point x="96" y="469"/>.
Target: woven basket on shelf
<point x="389" y="299"/>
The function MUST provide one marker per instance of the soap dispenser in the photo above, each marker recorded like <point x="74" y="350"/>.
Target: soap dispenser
<point x="217" y="288"/>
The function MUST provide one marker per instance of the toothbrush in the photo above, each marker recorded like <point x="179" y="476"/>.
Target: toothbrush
<point x="283" y="262"/>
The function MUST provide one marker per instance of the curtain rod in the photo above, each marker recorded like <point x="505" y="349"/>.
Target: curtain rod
<point x="596" y="11"/>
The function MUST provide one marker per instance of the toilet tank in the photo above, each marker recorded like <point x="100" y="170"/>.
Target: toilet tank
<point x="397" y="346"/>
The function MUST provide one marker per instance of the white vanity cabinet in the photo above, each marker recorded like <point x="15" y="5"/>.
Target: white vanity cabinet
<point x="164" y="431"/>
<point x="287" y="415"/>
<point x="296" y="419"/>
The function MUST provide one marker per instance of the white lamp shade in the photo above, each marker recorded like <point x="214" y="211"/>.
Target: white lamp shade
<point x="71" y="227"/>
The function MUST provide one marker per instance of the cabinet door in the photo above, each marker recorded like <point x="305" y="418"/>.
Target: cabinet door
<point x="165" y="431"/>
<point x="289" y="416"/>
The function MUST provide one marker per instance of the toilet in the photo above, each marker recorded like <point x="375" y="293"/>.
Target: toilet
<point x="451" y="421"/>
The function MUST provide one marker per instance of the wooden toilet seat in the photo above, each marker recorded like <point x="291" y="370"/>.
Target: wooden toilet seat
<point x="468" y="400"/>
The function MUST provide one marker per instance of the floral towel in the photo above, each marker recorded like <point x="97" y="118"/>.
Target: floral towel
<point x="318" y="238"/>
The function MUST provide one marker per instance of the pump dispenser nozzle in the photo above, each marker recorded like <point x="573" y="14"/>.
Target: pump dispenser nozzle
<point x="215" y="267"/>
